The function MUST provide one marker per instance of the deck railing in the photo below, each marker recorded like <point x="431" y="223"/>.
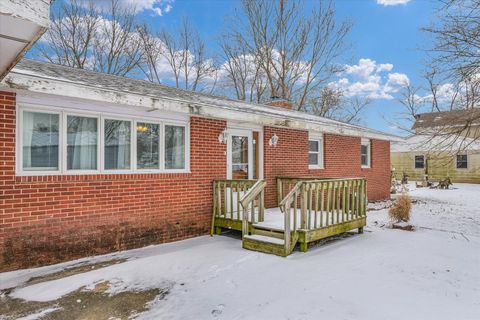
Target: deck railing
<point x="315" y="204"/>
<point x="253" y="203"/>
<point x="228" y="196"/>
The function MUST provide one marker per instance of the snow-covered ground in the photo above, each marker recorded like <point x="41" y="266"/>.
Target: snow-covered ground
<point x="431" y="273"/>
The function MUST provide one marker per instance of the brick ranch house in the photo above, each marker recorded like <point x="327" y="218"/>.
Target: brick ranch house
<point x="93" y="163"/>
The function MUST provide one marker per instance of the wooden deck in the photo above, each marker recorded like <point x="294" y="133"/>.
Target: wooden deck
<point x="309" y="210"/>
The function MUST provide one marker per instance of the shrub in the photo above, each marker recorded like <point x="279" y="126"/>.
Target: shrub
<point x="401" y="208"/>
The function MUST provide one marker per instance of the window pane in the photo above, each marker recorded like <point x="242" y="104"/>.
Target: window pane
<point x="313" y="159"/>
<point x="40" y="141"/>
<point x="462" y="162"/>
<point x="364" y="160"/>
<point x="364" y="150"/>
<point x="117" y="144"/>
<point x="81" y="143"/>
<point x="174" y="147"/>
<point x="313" y="146"/>
<point x="419" y="162"/>
<point x="148" y="136"/>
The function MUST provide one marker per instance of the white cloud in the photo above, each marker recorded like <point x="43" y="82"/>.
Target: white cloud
<point x="392" y="2"/>
<point x="157" y="7"/>
<point x="370" y="79"/>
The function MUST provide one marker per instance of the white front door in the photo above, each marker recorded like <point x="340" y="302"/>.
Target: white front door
<point x="240" y="154"/>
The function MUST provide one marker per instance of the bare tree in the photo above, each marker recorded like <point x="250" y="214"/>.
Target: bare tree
<point x="183" y="52"/>
<point x="456" y="49"/>
<point x="85" y="36"/>
<point x="294" y="53"/>
<point x="333" y="103"/>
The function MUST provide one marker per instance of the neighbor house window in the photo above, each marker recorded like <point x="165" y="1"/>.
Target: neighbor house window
<point x="40" y="141"/>
<point x="462" y="161"/>
<point x="117" y="144"/>
<point x="174" y="147"/>
<point x="365" y="153"/>
<point x="82" y="142"/>
<point x="54" y="141"/>
<point x="315" y="153"/>
<point x="420" y="162"/>
<point x="148" y="140"/>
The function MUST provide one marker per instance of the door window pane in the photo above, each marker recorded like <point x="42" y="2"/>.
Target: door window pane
<point x="174" y="147"/>
<point x="82" y="137"/>
<point x="148" y="137"/>
<point x="239" y="157"/>
<point x="40" y="141"/>
<point x="117" y="144"/>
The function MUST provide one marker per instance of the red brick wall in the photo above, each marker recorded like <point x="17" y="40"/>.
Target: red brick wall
<point x="47" y="219"/>
<point x="342" y="159"/>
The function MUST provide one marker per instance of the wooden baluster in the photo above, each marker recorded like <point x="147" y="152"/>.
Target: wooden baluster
<point x="317" y="192"/>
<point x="303" y="206"/>
<point x="329" y="194"/>
<point x="344" y="201"/>
<point x="295" y="203"/>
<point x="334" y="204"/>
<point x="357" y="200"/>
<point x="309" y="217"/>
<point x="322" y="207"/>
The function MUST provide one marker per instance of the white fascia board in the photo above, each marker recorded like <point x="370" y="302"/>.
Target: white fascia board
<point x="269" y="117"/>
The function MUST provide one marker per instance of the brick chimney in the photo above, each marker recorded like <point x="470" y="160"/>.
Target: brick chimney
<point x="280" y="103"/>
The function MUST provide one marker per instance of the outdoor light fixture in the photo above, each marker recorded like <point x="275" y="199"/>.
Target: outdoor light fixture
<point x="223" y="136"/>
<point x="273" y="140"/>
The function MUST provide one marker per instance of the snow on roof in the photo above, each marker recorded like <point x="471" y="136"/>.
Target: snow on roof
<point x="52" y="74"/>
<point x="451" y="118"/>
<point x="425" y="143"/>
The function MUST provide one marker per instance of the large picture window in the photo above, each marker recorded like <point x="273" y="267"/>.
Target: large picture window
<point x="174" y="147"/>
<point x="40" y="141"/>
<point x="55" y="141"/>
<point x="148" y="138"/>
<point x="82" y="142"/>
<point x="117" y="144"/>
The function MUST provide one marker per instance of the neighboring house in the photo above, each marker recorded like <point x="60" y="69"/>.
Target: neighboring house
<point x="444" y="145"/>
<point x="93" y="163"/>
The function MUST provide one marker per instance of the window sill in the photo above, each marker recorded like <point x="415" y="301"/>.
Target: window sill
<point x="315" y="167"/>
<point x="366" y="167"/>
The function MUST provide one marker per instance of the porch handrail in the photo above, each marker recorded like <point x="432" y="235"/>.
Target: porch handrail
<point x="254" y="194"/>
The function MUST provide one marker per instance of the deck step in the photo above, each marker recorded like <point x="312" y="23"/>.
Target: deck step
<point x="267" y="227"/>
<point x="264" y="244"/>
<point x="267" y="231"/>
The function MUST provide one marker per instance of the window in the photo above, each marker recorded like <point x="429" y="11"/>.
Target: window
<point x="365" y="153"/>
<point x="420" y="162"/>
<point x="462" y="161"/>
<point x="174" y="147"/>
<point x="117" y="144"/>
<point x="315" y="153"/>
<point x="82" y="141"/>
<point x="148" y="138"/>
<point x="40" y="141"/>
<point x="54" y="141"/>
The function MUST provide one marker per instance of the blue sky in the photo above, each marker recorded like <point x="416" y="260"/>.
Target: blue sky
<point x="386" y="37"/>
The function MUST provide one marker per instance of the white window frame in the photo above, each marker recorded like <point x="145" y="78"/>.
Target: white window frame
<point x="100" y="116"/>
<point x="320" y="154"/>
<point x="424" y="161"/>
<point x="368" y="143"/>
<point x="19" y="144"/>
<point x="65" y="145"/>
<point x="456" y="161"/>
<point x="187" y="146"/>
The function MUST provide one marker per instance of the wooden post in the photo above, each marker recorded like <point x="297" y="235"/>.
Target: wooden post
<point x="212" y="229"/>
<point x="279" y="191"/>
<point x="303" y="206"/>
<point x="303" y="246"/>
